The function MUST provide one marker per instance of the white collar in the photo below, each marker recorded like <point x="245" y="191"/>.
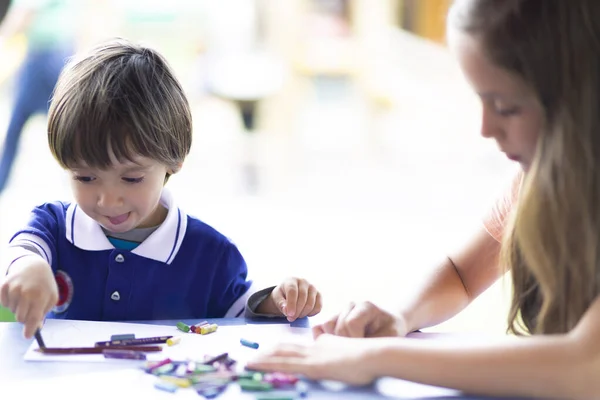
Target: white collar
<point x="162" y="245"/>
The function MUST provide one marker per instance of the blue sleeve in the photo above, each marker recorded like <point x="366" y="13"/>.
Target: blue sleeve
<point x="42" y="231"/>
<point x="230" y="289"/>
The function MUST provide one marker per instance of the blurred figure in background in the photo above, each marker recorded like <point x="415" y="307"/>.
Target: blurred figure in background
<point x="4" y="4"/>
<point x="49" y="29"/>
<point x="241" y="68"/>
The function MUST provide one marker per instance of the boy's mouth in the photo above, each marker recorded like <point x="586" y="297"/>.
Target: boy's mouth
<point x="119" y="219"/>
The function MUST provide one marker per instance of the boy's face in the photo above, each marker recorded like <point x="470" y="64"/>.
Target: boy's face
<point x="123" y="197"/>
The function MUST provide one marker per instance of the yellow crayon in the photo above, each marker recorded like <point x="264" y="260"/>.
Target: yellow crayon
<point x="206" y="329"/>
<point x="181" y="382"/>
<point x="173" y="341"/>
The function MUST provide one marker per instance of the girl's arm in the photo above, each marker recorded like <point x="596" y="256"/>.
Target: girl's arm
<point x="550" y="367"/>
<point x="553" y="366"/>
<point x="448" y="290"/>
<point x="455" y="283"/>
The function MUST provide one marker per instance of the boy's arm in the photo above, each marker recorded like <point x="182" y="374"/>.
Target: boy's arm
<point x="13" y="253"/>
<point x="258" y="304"/>
<point x="293" y="298"/>
<point x="231" y="288"/>
<point x="27" y="284"/>
<point x="236" y="296"/>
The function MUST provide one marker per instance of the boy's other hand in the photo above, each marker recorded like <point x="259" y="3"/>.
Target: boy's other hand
<point x="29" y="290"/>
<point x="296" y="298"/>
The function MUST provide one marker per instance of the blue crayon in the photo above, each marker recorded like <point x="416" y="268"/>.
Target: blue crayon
<point x="302" y="389"/>
<point x="248" y="343"/>
<point x="126" y="336"/>
<point x="124" y="354"/>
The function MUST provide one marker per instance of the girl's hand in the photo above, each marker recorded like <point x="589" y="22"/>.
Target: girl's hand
<point x="363" y="320"/>
<point x="330" y="357"/>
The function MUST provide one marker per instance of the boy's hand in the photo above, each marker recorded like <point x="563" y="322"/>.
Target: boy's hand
<point x="29" y="290"/>
<point x="294" y="298"/>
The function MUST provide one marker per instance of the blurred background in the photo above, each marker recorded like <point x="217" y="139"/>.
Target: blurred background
<point x="334" y="140"/>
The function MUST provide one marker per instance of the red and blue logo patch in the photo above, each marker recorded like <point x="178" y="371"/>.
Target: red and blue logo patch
<point x="65" y="291"/>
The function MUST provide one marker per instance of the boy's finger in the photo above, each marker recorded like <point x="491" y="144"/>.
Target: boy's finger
<point x="309" y="306"/>
<point x="303" y="291"/>
<point x="318" y="306"/>
<point x="4" y="296"/>
<point x="13" y="302"/>
<point x="279" y="299"/>
<point x="33" y="322"/>
<point x="291" y="297"/>
<point x="21" y="310"/>
<point x="30" y="329"/>
<point x="50" y="305"/>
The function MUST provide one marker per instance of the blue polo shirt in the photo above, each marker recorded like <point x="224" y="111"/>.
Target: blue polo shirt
<point x="184" y="270"/>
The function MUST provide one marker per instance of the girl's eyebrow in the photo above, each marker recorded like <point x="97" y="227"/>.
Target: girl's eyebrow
<point x="492" y="95"/>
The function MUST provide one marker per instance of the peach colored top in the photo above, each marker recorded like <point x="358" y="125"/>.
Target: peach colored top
<point x="496" y="219"/>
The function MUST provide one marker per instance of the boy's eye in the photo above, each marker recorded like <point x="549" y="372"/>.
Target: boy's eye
<point x="133" y="180"/>
<point x="84" y="179"/>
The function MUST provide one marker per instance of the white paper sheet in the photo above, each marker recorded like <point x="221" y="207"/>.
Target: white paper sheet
<point x="65" y="333"/>
<point x="134" y="383"/>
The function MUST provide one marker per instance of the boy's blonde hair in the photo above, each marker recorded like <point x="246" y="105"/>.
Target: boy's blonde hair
<point x="119" y="100"/>
<point x="552" y="246"/>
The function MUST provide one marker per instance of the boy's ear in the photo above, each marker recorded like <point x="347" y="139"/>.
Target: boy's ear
<point x="175" y="169"/>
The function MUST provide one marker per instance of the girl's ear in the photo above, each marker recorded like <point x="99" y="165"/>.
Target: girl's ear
<point x="175" y="169"/>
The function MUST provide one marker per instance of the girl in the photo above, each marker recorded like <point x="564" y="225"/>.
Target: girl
<point x="535" y="65"/>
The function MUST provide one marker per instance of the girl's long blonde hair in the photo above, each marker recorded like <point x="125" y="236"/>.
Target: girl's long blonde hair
<point x="552" y="241"/>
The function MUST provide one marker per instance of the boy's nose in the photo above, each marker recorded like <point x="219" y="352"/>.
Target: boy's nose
<point x="109" y="199"/>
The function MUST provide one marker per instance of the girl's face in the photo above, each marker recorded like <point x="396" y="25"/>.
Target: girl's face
<point x="511" y="116"/>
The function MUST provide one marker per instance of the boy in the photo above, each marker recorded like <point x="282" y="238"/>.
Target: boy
<point x="120" y="124"/>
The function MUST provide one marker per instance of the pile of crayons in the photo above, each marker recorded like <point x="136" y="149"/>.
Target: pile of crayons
<point x="211" y="377"/>
<point x="202" y="328"/>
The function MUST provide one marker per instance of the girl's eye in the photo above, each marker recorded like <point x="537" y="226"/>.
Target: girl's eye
<point x="507" y="112"/>
<point x="84" y="179"/>
<point x="133" y="180"/>
<point x="505" y="109"/>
